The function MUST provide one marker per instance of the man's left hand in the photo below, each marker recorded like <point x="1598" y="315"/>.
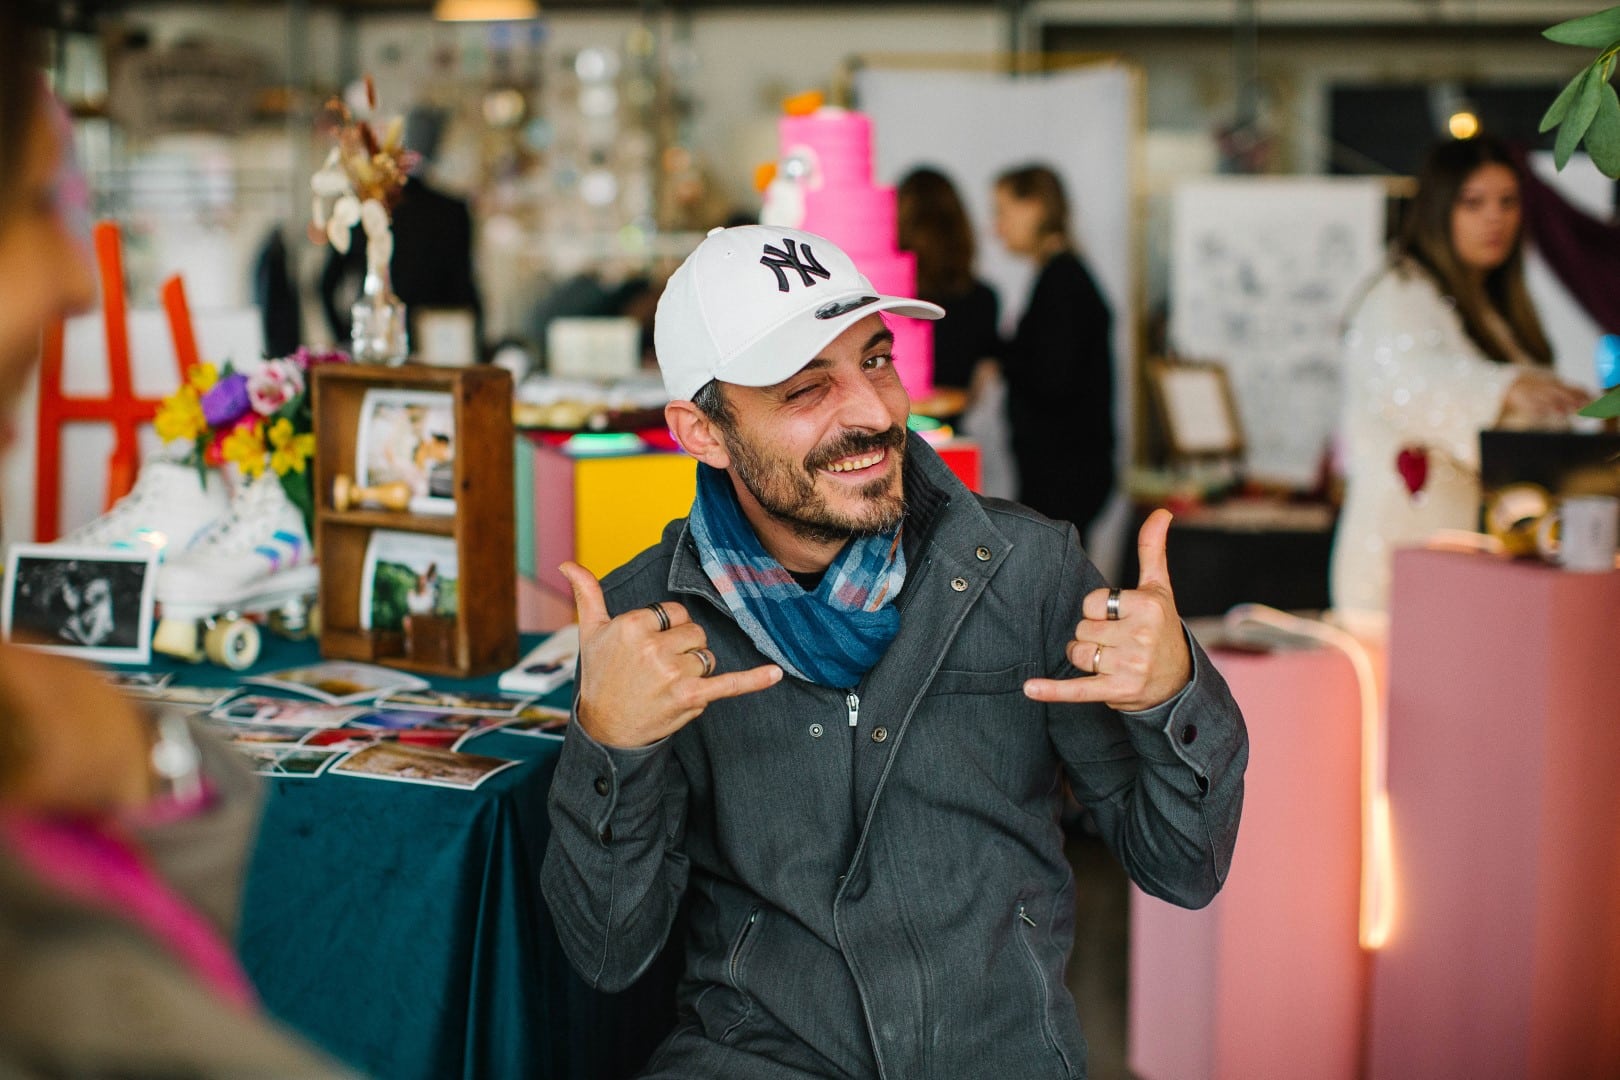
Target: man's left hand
<point x="1139" y="658"/>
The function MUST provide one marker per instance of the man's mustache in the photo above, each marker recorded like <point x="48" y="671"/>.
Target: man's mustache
<point x="854" y="443"/>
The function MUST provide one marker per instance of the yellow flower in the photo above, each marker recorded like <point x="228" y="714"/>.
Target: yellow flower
<point x="245" y="446"/>
<point x="203" y="377"/>
<point x="291" y="451"/>
<point x="181" y="416"/>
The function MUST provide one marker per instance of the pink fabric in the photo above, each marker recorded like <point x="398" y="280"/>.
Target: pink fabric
<point x="94" y="867"/>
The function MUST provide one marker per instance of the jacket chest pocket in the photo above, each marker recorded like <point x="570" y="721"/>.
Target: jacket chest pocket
<point x="981" y="721"/>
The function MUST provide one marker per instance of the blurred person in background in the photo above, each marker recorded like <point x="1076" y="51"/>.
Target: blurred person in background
<point x="1443" y="343"/>
<point x="122" y="839"/>
<point x="934" y="226"/>
<point x="1059" y="365"/>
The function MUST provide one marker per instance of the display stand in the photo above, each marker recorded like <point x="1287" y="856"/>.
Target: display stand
<point x="1504" y="733"/>
<point x="483" y="637"/>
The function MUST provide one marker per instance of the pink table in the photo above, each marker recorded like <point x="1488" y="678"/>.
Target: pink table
<point x="1267" y="982"/>
<point x="1504" y="780"/>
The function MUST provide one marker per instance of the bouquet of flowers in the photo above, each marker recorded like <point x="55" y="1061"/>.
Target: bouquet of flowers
<point x="360" y="181"/>
<point x="257" y="420"/>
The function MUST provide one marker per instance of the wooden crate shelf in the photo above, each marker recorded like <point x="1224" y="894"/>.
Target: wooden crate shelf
<point x="484" y="636"/>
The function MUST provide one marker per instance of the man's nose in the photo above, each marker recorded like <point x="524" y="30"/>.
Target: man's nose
<point x="860" y="405"/>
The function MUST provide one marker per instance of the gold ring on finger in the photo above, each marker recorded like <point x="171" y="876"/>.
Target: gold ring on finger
<point x="1096" y="661"/>
<point x="706" y="658"/>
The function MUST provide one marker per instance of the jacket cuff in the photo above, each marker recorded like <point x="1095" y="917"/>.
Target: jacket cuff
<point x="613" y="787"/>
<point x="1185" y="728"/>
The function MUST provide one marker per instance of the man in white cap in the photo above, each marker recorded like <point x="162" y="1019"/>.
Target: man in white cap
<point x="834" y="707"/>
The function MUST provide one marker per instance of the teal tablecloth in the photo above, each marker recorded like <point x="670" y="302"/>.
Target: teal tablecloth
<point x="401" y="926"/>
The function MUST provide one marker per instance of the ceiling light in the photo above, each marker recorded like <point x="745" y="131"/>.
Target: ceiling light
<point x="1463" y="124"/>
<point x="485" y="10"/>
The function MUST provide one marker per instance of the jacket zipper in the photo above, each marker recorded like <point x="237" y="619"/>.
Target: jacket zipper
<point x="736" y="957"/>
<point x="1046" y="993"/>
<point x="852" y="702"/>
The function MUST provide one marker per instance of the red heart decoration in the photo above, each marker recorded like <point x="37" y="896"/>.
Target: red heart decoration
<point x="1413" y="465"/>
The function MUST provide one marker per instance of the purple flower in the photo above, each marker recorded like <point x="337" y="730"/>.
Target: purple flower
<point x="227" y="402"/>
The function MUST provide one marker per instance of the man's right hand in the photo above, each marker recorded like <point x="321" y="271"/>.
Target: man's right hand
<point x="639" y="683"/>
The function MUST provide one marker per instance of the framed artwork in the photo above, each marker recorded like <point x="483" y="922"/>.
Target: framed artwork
<point x="1196" y="406"/>
<point x="91" y="602"/>
<point x="409" y="436"/>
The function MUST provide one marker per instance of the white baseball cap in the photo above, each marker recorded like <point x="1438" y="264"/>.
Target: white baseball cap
<point x="755" y="303"/>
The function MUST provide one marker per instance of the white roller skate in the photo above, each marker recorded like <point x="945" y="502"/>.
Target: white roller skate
<point x="256" y="560"/>
<point x="169" y="506"/>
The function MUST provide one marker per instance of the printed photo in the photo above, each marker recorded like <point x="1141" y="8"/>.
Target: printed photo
<point x="95" y="603"/>
<point x="259" y="709"/>
<point x="455" y="701"/>
<point x="538" y="720"/>
<point x="407" y="574"/>
<point x="140" y="683"/>
<point x="409" y="436"/>
<point x="289" y="762"/>
<point x="340" y="682"/>
<point x="203" y="697"/>
<point x="237" y="731"/>
<point x="422" y="765"/>
<point x="344" y="738"/>
<point x="398" y="719"/>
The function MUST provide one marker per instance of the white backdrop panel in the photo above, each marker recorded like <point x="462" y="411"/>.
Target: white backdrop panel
<point x="1261" y="272"/>
<point x="972" y="127"/>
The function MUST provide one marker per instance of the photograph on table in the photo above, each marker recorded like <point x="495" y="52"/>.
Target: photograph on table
<point x="421" y="765"/>
<point x="237" y="731"/>
<point x="409" y="437"/>
<point x="455" y="701"/>
<point x="289" y="762"/>
<point x="95" y="603"/>
<point x="140" y="683"/>
<point x="203" y="697"/>
<point x="339" y="682"/>
<point x="343" y="738"/>
<point x="262" y="709"/>
<point x="407" y="574"/>
<point x="538" y="720"/>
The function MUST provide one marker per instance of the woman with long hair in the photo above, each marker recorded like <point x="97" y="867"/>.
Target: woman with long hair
<point x="1445" y="342"/>
<point x="116" y="890"/>
<point x="934" y="226"/>
<point x="1059" y="364"/>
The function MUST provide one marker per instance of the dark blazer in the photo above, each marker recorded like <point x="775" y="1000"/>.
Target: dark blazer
<point x="431" y="267"/>
<point x="1060" y="394"/>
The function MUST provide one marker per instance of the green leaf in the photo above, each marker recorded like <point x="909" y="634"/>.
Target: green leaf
<point x="1580" y="116"/>
<point x="1606" y="406"/>
<point x="1560" y="106"/>
<point x="1597" y="31"/>
<point x="1603" y="137"/>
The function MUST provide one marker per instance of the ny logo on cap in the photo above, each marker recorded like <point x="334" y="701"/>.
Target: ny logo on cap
<point x="781" y="261"/>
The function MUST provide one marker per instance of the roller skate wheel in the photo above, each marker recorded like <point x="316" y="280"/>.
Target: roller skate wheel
<point x="232" y="643"/>
<point x="314" y="621"/>
<point x="178" y="638"/>
<point x="290" y="626"/>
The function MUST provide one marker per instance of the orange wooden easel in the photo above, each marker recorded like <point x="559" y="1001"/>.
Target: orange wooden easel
<point x="121" y="407"/>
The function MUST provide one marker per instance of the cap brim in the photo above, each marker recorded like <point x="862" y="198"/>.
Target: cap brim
<point x="789" y="347"/>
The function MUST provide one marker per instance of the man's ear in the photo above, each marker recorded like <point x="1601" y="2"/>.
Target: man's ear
<point x="698" y="435"/>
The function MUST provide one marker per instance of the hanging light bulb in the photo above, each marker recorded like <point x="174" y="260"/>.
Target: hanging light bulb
<point x="1463" y="124"/>
<point x="485" y="10"/>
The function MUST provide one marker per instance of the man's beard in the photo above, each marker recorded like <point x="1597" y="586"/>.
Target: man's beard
<point x="789" y="493"/>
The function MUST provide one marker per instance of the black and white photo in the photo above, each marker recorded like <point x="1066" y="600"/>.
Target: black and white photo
<point x="90" y="602"/>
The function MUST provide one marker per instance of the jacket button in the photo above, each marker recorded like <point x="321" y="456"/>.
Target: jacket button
<point x="959" y="584"/>
<point x="815" y="731"/>
<point x="983" y="553"/>
<point x="1188" y="734"/>
<point x="601" y="785"/>
<point x="880" y="734"/>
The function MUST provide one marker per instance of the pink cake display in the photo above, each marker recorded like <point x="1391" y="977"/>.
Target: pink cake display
<point x="824" y="180"/>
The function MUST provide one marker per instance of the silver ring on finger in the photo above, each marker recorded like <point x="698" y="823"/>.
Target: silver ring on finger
<point x="1096" y="661"/>
<point x="1113" y="605"/>
<point x="663" y="616"/>
<point x="706" y="658"/>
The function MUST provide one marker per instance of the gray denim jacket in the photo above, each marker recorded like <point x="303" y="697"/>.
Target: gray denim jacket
<point x="893" y="900"/>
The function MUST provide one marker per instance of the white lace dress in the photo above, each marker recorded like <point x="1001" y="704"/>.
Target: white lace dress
<point x="1412" y="378"/>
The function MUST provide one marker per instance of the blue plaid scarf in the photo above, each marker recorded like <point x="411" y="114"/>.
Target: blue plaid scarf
<point x="830" y="637"/>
